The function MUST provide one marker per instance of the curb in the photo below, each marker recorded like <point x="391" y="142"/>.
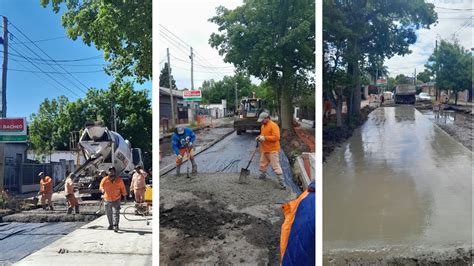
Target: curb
<point x="170" y="167"/>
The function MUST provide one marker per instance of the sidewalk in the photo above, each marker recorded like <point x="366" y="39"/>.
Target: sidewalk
<point x="93" y="244"/>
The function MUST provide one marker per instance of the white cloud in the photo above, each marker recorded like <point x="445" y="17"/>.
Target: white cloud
<point x="450" y="22"/>
<point x="189" y="21"/>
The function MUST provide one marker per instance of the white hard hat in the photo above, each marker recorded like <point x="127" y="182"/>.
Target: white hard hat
<point x="262" y="116"/>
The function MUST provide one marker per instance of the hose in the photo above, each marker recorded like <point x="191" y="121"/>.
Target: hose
<point x="135" y="220"/>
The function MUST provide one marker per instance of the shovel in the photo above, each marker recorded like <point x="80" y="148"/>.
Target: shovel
<point x="245" y="172"/>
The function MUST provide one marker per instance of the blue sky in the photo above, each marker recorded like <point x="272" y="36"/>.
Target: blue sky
<point x="25" y="90"/>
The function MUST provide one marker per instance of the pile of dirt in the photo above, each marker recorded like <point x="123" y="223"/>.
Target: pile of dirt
<point x="333" y="137"/>
<point x="211" y="219"/>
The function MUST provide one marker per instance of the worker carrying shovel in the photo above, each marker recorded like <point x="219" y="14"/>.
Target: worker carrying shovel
<point x="72" y="202"/>
<point x="182" y="142"/>
<point x="46" y="190"/>
<point x="270" y="148"/>
<point x="114" y="189"/>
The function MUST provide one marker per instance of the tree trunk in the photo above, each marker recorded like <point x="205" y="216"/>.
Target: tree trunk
<point x="455" y="97"/>
<point x="339" y="110"/>
<point x="286" y="104"/>
<point x="357" y="95"/>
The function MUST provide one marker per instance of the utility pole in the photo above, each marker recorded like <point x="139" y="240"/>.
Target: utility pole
<point x="192" y="83"/>
<point x="4" y="69"/>
<point x="171" y="90"/>
<point x="236" y="100"/>
<point x="414" y="78"/>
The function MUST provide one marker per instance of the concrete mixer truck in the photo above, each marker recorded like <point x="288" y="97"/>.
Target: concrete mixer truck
<point x="102" y="149"/>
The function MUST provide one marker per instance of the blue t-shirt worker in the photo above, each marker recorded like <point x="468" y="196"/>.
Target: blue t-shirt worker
<point x="183" y="141"/>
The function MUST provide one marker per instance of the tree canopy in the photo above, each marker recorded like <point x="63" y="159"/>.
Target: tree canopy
<point x="452" y="66"/>
<point x="122" y="29"/>
<point x="164" y="78"/>
<point x="357" y="30"/>
<point x="50" y="127"/>
<point x="272" y="40"/>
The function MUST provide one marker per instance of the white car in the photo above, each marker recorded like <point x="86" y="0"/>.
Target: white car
<point x="424" y="97"/>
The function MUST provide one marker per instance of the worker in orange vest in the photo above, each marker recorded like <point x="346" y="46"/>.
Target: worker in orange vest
<point x="73" y="204"/>
<point x="113" y="189"/>
<point x="46" y="190"/>
<point x="138" y="184"/>
<point x="270" y="148"/>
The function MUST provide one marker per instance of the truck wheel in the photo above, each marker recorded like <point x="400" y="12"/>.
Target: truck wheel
<point x="239" y="132"/>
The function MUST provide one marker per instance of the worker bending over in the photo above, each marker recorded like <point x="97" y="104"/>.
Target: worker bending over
<point x="46" y="190"/>
<point x="182" y="142"/>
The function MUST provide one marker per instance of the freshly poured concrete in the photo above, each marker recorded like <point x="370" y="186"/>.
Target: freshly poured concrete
<point x="93" y="244"/>
<point x="399" y="183"/>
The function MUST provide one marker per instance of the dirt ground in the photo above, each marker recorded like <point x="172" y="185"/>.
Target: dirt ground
<point x="460" y="256"/>
<point x="458" y="124"/>
<point x="333" y="136"/>
<point x="212" y="219"/>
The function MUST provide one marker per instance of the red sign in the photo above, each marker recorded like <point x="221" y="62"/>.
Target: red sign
<point x="194" y="93"/>
<point x="12" y="124"/>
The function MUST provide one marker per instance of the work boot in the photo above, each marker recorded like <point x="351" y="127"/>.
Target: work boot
<point x="262" y="175"/>
<point x="281" y="181"/>
<point x="44" y="207"/>
<point x="194" y="169"/>
<point x="51" y="208"/>
<point x="178" y="170"/>
<point x="69" y="210"/>
<point x="110" y="227"/>
<point x="77" y="209"/>
<point x="116" y="228"/>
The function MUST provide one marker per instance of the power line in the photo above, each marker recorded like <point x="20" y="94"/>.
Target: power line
<point x="71" y="65"/>
<point x="458" y="9"/>
<point x="55" y="72"/>
<point x="223" y="67"/>
<point x="51" y="77"/>
<point x="49" y="56"/>
<point x="57" y="60"/>
<point x="51" y="84"/>
<point x="42" y="40"/>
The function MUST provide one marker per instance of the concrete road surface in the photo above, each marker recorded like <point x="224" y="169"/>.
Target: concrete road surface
<point x="398" y="182"/>
<point x="93" y="244"/>
<point x="232" y="154"/>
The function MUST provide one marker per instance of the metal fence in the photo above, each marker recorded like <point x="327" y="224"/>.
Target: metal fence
<point x="20" y="174"/>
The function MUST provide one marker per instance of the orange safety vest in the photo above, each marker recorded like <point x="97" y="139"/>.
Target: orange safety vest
<point x="271" y="132"/>
<point x="113" y="191"/>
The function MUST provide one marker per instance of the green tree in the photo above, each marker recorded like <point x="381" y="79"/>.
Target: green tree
<point x="122" y="29"/>
<point x="402" y="79"/>
<point x="360" y="29"/>
<point x="272" y="40"/>
<point x="424" y="76"/>
<point x="164" y="78"/>
<point x="50" y="127"/>
<point x="452" y="66"/>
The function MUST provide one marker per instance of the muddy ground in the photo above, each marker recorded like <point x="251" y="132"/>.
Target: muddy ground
<point x="458" y="124"/>
<point x="333" y="136"/>
<point x="212" y="219"/>
<point x="460" y="256"/>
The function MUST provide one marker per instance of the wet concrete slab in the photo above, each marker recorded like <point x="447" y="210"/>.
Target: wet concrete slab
<point x="18" y="240"/>
<point x="93" y="244"/>
<point x="399" y="182"/>
<point x="232" y="154"/>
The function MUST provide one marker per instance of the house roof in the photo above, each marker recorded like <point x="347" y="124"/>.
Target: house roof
<point x="166" y="91"/>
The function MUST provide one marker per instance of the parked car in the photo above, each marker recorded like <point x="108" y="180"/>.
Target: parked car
<point x="423" y="97"/>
